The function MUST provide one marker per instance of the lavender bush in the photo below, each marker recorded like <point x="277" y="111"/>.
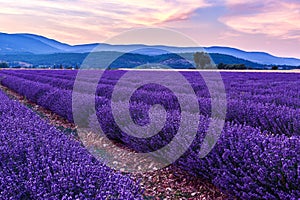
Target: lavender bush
<point x="39" y="162"/>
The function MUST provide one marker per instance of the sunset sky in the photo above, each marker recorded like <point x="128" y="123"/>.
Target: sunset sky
<point x="255" y="25"/>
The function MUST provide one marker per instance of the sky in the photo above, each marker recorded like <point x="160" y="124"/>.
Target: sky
<point x="272" y="26"/>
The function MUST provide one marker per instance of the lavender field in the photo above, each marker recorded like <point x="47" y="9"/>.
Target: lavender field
<point x="255" y="157"/>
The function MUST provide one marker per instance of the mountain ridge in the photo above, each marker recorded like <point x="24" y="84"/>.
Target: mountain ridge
<point x="26" y="43"/>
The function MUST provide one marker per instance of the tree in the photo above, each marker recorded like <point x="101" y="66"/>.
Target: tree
<point x="239" y="66"/>
<point x="4" y="65"/>
<point x="274" y="67"/>
<point x="231" y="66"/>
<point x="222" y="66"/>
<point x="202" y="60"/>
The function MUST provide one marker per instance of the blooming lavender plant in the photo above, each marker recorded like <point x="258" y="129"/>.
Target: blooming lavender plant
<point x="39" y="162"/>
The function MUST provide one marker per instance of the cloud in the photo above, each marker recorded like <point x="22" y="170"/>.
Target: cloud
<point x="274" y="18"/>
<point x="228" y="34"/>
<point x="89" y="17"/>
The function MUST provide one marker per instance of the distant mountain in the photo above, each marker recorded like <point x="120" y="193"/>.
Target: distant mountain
<point x="35" y="44"/>
<point x="258" y="57"/>
<point x="22" y="44"/>
<point x="50" y="42"/>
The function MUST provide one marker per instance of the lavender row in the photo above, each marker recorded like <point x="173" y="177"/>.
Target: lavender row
<point x="249" y="164"/>
<point x="39" y="162"/>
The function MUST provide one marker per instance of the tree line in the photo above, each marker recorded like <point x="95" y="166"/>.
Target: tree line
<point x="4" y="65"/>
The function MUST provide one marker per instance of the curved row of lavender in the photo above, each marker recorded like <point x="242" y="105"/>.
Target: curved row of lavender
<point x="39" y="162"/>
<point x="257" y="156"/>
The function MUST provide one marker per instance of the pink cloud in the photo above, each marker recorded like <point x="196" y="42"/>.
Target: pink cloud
<point x="89" y="17"/>
<point x="272" y="17"/>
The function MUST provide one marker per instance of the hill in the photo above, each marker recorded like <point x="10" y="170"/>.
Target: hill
<point x="39" y="50"/>
<point x="128" y="60"/>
